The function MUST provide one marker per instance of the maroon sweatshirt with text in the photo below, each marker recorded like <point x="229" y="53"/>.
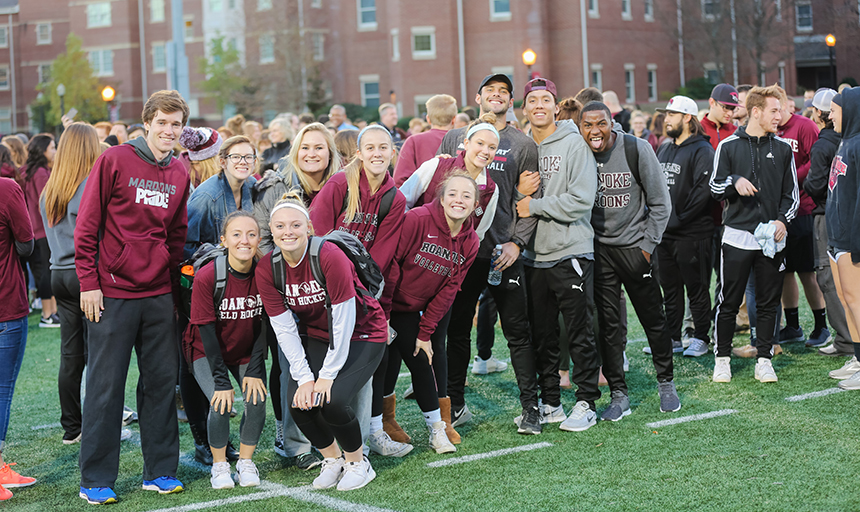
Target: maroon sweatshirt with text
<point x="801" y="133"/>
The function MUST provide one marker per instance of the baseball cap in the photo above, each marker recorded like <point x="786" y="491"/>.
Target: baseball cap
<point x="540" y="84"/>
<point x="822" y="99"/>
<point x="498" y="77"/>
<point x="726" y="94"/>
<point x="681" y="104"/>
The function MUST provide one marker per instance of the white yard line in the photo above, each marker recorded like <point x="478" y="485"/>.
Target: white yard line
<point x="815" y="394"/>
<point x="46" y="426"/>
<point x="695" y="417"/>
<point x="488" y="455"/>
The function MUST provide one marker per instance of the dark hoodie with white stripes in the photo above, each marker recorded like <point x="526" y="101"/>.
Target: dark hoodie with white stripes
<point x="768" y="163"/>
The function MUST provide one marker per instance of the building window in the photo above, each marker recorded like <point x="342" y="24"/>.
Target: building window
<point x="231" y="4"/>
<point x="264" y="5"/>
<point x="267" y="49"/>
<point x="500" y="10"/>
<point x="649" y="10"/>
<point x="369" y="90"/>
<point x="629" y="83"/>
<point x="98" y="15"/>
<point x="593" y="10"/>
<point x="596" y="77"/>
<point x="216" y="5"/>
<point x="423" y="43"/>
<point x="4" y="77"/>
<point x="43" y="33"/>
<point x="318" y="43"/>
<point x="4" y="38"/>
<point x="366" y="14"/>
<point x="395" y="45"/>
<point x="6" y="120"/>
<point x="189" y="28"/>
<point x="652" y="82"/>
<point x="804" y="16"/>
<point x="781" y="67"/>
<point x="44" y="73"/>
<point x="101" y="62"/>
<point x="156" y="11"/>
<point x="159" y="58"/>
<point x="709" y="9"/>
<point x="626" y="10"/>
<point x="316" y="4"/>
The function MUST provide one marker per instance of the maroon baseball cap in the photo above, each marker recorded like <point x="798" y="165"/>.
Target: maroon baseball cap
<point x="726" y="94"/>
<point x="540" y="84"/>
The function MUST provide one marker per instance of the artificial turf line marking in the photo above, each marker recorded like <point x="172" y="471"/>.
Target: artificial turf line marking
<point x="695" y="417"/>
<point x="815" y="394"/>
<point x="49" y="425"/>
<point x="481" y="456"/>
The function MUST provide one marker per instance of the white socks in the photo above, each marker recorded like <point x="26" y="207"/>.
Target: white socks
<point x="375" y="424"/>
<point x="432" y="417"/>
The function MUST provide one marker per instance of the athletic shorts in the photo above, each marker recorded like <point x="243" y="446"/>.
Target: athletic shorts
<point x="800" y="245"/>
<point x="835" y="253"/>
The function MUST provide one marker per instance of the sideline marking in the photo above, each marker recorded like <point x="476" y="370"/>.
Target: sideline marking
<point x="815" y="394"/>
<point x="480" y="456"/>
<point x="695" y="417"/>
<point x="49" y="425"/>
<point x="273" y="490"/>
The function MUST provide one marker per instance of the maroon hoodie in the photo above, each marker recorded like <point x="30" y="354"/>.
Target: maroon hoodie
<point x="132" y="223"/>
<point x="430" y="265"/>
<point x="415" y="151"/>
<point x="33" y="187"/>
<point x="801" y="133"/>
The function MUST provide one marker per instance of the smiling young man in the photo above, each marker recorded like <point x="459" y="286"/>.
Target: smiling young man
<point x="128" y="244"/>
<point x="630" y="213"/>
<point x="754" y="174"/>
<point x="722" y="104"/>
<point x="559" y="258"/>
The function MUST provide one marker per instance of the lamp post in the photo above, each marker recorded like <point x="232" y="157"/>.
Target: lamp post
<point x="61" y="92"/>
<point x="831" y="42"/>
<point x="108" y="94"/>
<point x="529" y="58"/>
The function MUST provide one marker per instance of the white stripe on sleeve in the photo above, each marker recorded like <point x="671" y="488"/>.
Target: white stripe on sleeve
<point x="343" y="323"/>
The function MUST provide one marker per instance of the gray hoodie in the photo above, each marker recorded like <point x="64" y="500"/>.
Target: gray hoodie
<point x="569" y="182"/>
<point x="61" y="237"/>
<point x="626" y="214"/>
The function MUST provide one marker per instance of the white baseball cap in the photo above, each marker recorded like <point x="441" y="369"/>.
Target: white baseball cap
<point x="681" y="104"/>
<point x="822" y="98"/>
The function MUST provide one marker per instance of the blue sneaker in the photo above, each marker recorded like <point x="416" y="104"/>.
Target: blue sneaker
<point x="98" y="495"/>
<point x="164" y="485"/>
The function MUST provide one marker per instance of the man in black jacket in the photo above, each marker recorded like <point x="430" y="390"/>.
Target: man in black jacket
<point x="280" y="133"/>
<point x="754" y="173"/>
<point x="685" y="252"/>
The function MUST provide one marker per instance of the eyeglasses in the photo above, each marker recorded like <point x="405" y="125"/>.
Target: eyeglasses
<point x="249" y="159"/>
<point x="730" y="108"/>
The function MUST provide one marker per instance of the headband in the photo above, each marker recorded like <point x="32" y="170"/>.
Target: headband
<point x="482" y="126"/>
<point x="370" y="127"/>
<point x="289" y="205"/>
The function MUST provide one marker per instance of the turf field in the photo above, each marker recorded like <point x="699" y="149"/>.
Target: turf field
<point x="771" y="454"/>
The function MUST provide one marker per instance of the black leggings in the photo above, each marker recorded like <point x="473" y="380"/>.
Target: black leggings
<point x="336" y="420"/>
<point x="40" y="265"/>
<point x="73" y="348"/>
<point x="195" y="402"/>
<point x="275" y="370"/>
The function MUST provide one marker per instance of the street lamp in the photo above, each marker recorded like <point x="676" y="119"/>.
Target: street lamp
<point x="831" y="42"/>
<point x="529" y="58"/>
<point x="61" y="92"/>
<point x="108" y="94"/>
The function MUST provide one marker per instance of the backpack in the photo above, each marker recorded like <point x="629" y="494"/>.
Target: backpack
<point x="367" y="270"/>
<point x="631" y="151"/>
<point x="189" y="268"/>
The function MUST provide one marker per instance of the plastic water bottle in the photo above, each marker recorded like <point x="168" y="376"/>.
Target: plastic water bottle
<point x="494" y="278"/>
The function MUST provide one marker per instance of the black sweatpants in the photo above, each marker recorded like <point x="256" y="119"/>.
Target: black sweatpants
<point x="568" y="287"/>
<point x="686" y="264"/>
<point x="73" y="347"/>
<point x="512" y="303"/>
<point x="440" y="357"/>
<point x="40" y="265"/>
<point x="488" y="315"/>
<point x="336" y="420"/>
<point x="614" y="266"/>
<point x="734" y="274"/>
<point x="424" y="380"/>
<point x="147" y="326"/>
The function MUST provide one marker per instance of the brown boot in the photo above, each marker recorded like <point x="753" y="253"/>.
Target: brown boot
<point x="389" y="423"/>
<point x="445" y="407"/>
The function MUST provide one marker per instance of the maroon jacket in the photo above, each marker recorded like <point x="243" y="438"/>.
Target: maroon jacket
<point x="430" y="265"/>
<point x="801" y="133"/>
<point x="132" y="223"/>
<point x="415" y="151"/>
<point x="717" y="135"/>
<point x="34" y="183"/>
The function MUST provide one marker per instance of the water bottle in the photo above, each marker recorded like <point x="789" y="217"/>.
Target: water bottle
<point x="494" y="278"/>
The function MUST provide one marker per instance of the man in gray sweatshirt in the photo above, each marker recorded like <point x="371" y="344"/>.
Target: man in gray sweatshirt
<point x="630" y="213"/>
<point x="559" y="258"/>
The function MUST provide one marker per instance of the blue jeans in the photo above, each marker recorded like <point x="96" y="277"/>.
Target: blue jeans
<point x="13" y="339"/>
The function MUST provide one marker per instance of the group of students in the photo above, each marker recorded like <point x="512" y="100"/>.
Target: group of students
<point x="550" y="225"/>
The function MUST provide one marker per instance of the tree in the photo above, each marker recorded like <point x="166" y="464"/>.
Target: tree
<point x="225" y="78"/>
<point x="83" y="90"/>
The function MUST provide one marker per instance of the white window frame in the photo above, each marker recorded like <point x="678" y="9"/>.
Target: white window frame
<point x="4" y="37"/>
<point x="395" y="45"/>
<point x="419" y="101"/>
<point x="4" y="71"/>
<point x="630" y="88"/>
<point x="39" y="69"/>
<point x="369" y="26"/>
<point x="595" y="12"/>
<point x="649" y="6"/>
<point x="499" y="15"/>
<point x="651" y="80"/>
<point x="368" y="79"/>
<point x="156" y="11"/>
<point x="627" y="10"/>
<point x="264" y="5"/>
<point x="98" y="19"/>
<point x="316" y="4"/>
<point x="423" y="54"/>
<point x="596" y="70"/>
<point x="99" y="70"/>
<point x="706" y="16"/>
<point x="318" y="46"/>
<point x="781" y="68"/>
<point x="268" y="39"/>
<point x="797" y="6"/>
<point x="43" y="38"/>
<point x="163" y="67"/>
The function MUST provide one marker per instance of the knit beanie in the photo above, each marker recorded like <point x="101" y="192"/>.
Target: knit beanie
<point x="201" y="143"/>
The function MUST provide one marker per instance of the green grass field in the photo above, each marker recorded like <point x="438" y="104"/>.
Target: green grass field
<point x="771" y="455"/>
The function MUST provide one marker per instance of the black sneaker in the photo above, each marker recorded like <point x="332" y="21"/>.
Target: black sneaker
<point x="460" y="416"/>
<point x="530" y="422"/>
<point x="308" y="460"/>
<point x="232" y="452"/>
<point x="791" y="334"/>
<point x="203" y="454"/>
<point x="819" y="338"/>
<point x="52" y="321"/>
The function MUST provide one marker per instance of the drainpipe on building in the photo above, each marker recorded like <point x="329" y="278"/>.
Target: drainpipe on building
<point x="12" y="74"/>
<point x="303" y="56"/>
<point x="734" y="45"/>
<point x="586" y="72"/>
<point x="180" y="60"/>
<point x="461" y="41"/>
<point x="143" y="70"/>
<point x="681" y="45"/>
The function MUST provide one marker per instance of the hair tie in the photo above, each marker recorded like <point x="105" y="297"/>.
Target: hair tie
<point x="370" y="127"/>
<point x="482" y="126"/>
<point x="289" y="205"/>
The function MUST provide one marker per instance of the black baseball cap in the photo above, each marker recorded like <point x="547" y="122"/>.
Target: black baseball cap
<point x="498" y="77"/>
<point x="726" y="94"/>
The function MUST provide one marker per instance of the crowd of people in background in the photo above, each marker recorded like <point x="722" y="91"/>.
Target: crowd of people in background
<point x="345" y="249"/>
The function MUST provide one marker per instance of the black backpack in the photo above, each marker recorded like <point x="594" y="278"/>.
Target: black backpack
<point x="203" y="255"/>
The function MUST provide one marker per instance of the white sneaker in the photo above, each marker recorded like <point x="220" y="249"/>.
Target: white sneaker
<point x="410" y="393"/>
<point x="697" y="348"/>
<point x="852" y="383"/>
<point x="581" y="418"/>
<point x="125" y="434"/>
<point x="221" y="477"/>
<point x="548" y="414"/>
<point x="330" y="474"/>
<point x="764" y="370"/>
<point x="248" y="474"/>
<point x="722" y="369"/>
<point x="850" y="367"/>
<point x="356" y="475"/>
<point x="379" y="442"/>
<point x="483" y="367"/>
<point x="439" y="439"/>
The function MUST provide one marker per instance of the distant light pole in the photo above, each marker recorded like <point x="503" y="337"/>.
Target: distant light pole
<point x="831" y="42"/>
<point x="108" y="94"/>
<point x="61" y="92"/>
<point x="529" y="58"/>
